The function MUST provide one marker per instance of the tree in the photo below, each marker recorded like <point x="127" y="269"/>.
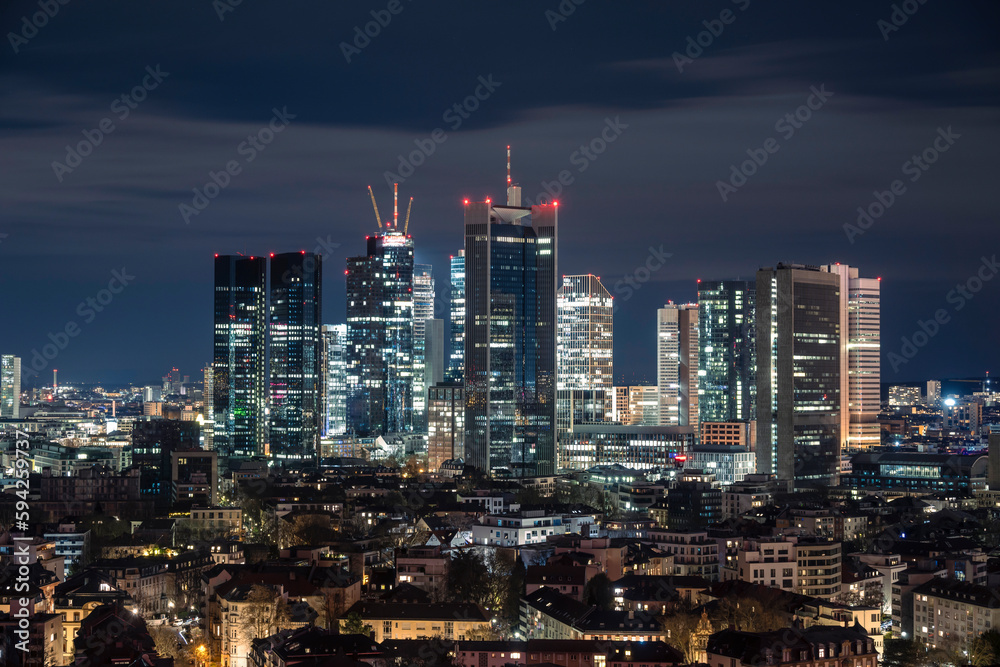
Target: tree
<point x="985" y="649"/>
<point x="761" y="613"/>
<point x="680" y="628"/>
<point x="598" y="592"/>
<point x="903" y="653"/>
<point x="262" y="613"/>
<point x="166" y="642"/>
<point x="468" y="577"/>
<point x="353" y="624"/>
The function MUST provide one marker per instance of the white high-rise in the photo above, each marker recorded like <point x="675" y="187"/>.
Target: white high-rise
<point x="677" y="364"/>
<point x="10" y="386"/>
<point x="334" y="379"/>
<point x="423" y="310"/>
<point x="585" y="388"/>
<point x="860" y="348"/>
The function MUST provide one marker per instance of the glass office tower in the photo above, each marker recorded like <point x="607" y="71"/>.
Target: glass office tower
<point x="380" y="336"/>
<point x="296" y="355"/>
<point x="727" y="363"/>
<point x="456" y="363"/>
<point x="238" y="378"/>
<point x="510" y="336"/>
<point x="335" y="388"/>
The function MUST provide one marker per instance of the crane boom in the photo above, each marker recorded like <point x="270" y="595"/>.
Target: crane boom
<point x="406" y="225"/>
<point x="375" y="206"/>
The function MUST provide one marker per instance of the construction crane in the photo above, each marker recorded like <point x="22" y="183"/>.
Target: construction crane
<point x="375" y="206"/>
<point x="406" y="224"/>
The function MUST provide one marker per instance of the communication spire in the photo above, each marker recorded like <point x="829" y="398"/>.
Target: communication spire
<point x="395" y="206"/>
<point x="508" y="166"/>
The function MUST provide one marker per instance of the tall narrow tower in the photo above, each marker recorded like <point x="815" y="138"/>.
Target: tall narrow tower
<point x="296" y="355"/>
<point x="677" y="364"/>
<point x="510" y="336"/>
<point x="239" y="350"/>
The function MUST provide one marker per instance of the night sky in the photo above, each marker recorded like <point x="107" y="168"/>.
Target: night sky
<point x="554" y="82"/>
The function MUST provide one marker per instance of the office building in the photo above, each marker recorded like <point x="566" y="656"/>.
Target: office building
<point x="510" y="336"/>
<point x="639" y="447"/>
<point x="239" y="351"/>
<point x="727" y="354"/>
<point x="860" y="369"/>
<point x="798" y="375"/>
<point x="296" y="355"/>
<point x="423" y="310"/>
<point x="641" y="405"/>
<point x="152" y="394"/>
<point x="207" y="418"/>
<point x="335" y="379"/>
<point x="434" y="355"/>
<point x="695" y="501"/>
<point x="933" y="393"/>
<point x="901" y="396"/>
<point x="916" y="472"/>
<point x="729" y="463"/>
<point x="585" y="347"/>
<point x="677" y="364"/>
<point x="153" y="443"/>
<point x="380" y="336"/>
<point x="10" y="386"/>
<point x="457" y="325"/>
<point x="445" y="424"/>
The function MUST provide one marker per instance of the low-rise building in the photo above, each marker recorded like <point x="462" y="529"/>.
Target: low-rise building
<point x="945" y="611"/>
<point x="391" y="620"/>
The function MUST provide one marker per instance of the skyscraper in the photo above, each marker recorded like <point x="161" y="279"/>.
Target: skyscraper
<point x="860" y="356"/>
<point x="585" y="344"/>
<point x="727" y="355"/>
<point x="798" y="375"/>
<point x="380" y="336"/>
<point x="445" y="430"/>
<point x="296" y="355"/>
<point x="208" y="409"/>
<point x="457" y="335"/>
<point x="239" y="352"/>
<point x="423" y="310"/>
<point x="677" y="364"/>
<point x="510" y="336"/>
<point x="10" y="386"/>
<point x="335" y="378"/>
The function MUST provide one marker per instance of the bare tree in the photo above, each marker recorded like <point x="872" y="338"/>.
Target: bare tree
<point x="263" y="612"/>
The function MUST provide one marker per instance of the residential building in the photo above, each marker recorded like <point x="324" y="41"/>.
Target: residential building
<point x="694" y="553"/>
<point x="948" y="613"/>
<point x="425" y="568"/>
<point x="803" y="565"/>
<point x="815" y="646"/>
<point x="901" y="396"/>
<point x="531" y="526"/>
<point x="415" y="620"/>
<point x="754" y="492"/>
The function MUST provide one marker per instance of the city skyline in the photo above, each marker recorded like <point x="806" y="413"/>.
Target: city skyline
<point x="665" y="135"/>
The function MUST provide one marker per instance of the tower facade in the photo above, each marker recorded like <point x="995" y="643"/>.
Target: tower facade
<point x="798" y="375"/>
<point x="296" y="373"/>
<point x="380" y="336"/>
<point x="335" y="379"/>
<point x="457" y="333"/>
<point x="585" y="344"/>
<point x="510" y="336"/>
<point x="238" y="374"/>
<point x="727" y="355"/>
<point x="423" y="310"/>
<point x="677" y="364"/>
<point x="10" y="386"/>
<point x="860" y="357"/>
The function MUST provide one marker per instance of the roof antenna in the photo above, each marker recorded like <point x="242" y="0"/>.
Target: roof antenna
<point x="513" y="192"/>
<point x="508" y="166"/>
<point x="395" y="206"/>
